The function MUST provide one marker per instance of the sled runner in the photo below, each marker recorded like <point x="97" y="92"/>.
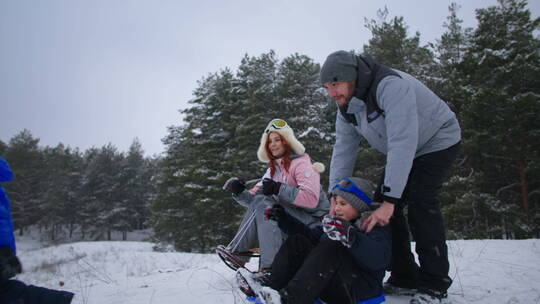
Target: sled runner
<point x="232" y="260"/>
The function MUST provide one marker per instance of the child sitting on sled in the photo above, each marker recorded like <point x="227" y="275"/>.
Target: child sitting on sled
<point x="336" y="262"/>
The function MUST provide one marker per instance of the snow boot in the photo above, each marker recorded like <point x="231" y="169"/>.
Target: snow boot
<point x="429" y="296"/>
<point x="246" y="283"/>
<point x="396" y="287"/>
<point x="391" y="289"/>
<point x="270" y="296"/>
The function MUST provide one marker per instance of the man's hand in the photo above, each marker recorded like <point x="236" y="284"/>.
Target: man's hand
<point x="380" y="216"/>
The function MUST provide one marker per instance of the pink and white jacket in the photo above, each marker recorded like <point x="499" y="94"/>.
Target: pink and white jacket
<point x="301" y="186"/>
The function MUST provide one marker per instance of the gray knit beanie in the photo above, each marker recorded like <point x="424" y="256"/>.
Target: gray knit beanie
<point x="339" y="66"/>
<point x="360" y="201"/>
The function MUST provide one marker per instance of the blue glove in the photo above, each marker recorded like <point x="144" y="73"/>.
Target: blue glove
<point x="338" y="229"/>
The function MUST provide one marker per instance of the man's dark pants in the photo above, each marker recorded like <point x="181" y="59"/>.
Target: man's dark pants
<point x="425" y="220"/>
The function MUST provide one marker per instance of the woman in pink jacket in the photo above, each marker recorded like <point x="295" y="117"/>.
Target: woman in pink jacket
<point x="291" y="180"/>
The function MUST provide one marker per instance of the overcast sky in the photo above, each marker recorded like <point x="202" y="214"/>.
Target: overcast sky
<point x="86" y="73"/>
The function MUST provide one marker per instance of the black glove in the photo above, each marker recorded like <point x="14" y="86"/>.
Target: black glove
<point x="339" y="230"/>
<point x="9" y="264"/>
<point x="270" y="186"/>
<point x="275" y="213"/>
<point x="234" y="185"/>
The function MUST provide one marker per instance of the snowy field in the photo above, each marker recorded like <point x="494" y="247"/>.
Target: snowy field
<point x="484" y="271"/>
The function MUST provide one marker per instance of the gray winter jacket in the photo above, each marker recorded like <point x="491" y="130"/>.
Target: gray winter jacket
<point x="415" y="122"/>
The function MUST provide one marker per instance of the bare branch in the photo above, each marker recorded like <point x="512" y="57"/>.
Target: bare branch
<point x="471" y="173"/>
<point x="534" y="192"/>
<point x="506" y="187"/>
<point x="463" y="161"/>
<point x="497" y="157"/>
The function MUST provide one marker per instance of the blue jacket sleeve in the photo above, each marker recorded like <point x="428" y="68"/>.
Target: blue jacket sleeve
<point x="5" y="172"/>
<point x="372" y="251"/>
<point x="6" y="224"/>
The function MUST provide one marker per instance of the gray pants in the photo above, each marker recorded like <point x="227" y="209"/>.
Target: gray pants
<point x="256" y="231"/>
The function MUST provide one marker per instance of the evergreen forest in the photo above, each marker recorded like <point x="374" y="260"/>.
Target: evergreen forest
<point x="489" y="75"/>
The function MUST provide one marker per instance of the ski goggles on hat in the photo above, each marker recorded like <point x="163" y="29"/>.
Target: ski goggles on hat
<point x="347" y="185"/>
<point x="276" y="124"/>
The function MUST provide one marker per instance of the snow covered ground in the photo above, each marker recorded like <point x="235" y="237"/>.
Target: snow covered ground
<point x="484" y="271"/>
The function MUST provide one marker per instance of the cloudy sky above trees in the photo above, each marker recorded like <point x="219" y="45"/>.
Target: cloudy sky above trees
<point x="86" y="73"/>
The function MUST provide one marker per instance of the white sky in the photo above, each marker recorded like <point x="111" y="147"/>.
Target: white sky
<point x="86" y="73"/>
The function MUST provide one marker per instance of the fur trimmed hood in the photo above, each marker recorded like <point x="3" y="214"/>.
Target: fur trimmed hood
<point x="282" y="128"/>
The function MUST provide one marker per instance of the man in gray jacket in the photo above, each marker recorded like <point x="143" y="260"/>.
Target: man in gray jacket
<point x="419" y="134"/>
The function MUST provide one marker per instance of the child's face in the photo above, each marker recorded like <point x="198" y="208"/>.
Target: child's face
<point x="340" y="208"/>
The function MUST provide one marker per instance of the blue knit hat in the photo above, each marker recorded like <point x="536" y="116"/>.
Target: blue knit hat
<point x="357" y="192"/>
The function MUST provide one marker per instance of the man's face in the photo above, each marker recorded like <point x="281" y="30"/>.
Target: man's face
<point x="340" y="91"/>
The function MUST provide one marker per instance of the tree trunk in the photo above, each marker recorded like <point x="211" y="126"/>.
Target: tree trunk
<point x="71" y="225"/>
<point x="524" y="186"/>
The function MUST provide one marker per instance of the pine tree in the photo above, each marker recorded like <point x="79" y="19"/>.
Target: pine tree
<point x="137" y="188"/>
<point x="60" y="195"/>
<point x="306" y="108"/>
<point x="500" y="119"/>
<point x="391" y="45"/>
<point x="3" y="147"/>
<point x="220" y="139"/>
<point x="102" y="188"/>
<point x="450" y="49"/>
<point x="190" y="205"/>
<point x="132" y="188"/>
<point x="25" y="159"/>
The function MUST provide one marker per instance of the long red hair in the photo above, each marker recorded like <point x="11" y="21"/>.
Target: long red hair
<point x="286" y="155"/>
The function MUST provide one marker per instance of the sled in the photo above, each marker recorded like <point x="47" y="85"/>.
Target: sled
<point x="231" y="259"/>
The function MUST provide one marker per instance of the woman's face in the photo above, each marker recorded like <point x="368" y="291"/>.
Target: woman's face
<point x="276" y="145"/>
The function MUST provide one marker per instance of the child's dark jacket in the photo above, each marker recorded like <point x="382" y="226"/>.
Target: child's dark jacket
<point x="371" y="251"/>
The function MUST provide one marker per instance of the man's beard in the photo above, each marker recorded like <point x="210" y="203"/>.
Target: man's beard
<point x="343" y="107"/>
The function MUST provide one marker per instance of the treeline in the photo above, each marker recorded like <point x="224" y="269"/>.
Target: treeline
<point x="489" y="75"/>
<point x="74" y="195"/>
